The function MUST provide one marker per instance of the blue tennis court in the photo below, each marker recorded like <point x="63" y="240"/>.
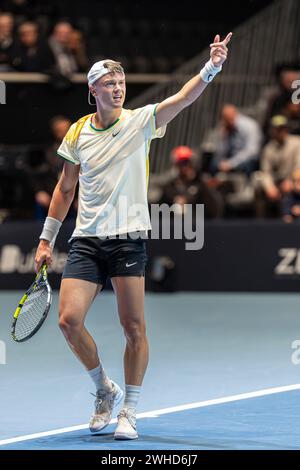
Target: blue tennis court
<point x="221" y="376"/>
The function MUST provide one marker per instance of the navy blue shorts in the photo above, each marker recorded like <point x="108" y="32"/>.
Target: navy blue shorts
<point x="94" y="259"/>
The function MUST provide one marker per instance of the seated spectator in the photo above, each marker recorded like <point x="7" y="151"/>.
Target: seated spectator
<point x="290" y="208"/>
<point x="292" y="112"/>
<point x="30" y="53"/>
<point x="282" y="96"/>
<point x="60" y="43"/>
<point x="59" y="126"/>
<point x="46" y="169"/>
<point x="238" y="143"/>
<point x="77" y="47"/>
<point x="188" y="187"/>
<point x="280" y="158"/>
<point x="6" y="40"/>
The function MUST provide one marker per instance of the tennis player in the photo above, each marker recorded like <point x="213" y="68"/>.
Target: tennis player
<point x="108" y="152"/>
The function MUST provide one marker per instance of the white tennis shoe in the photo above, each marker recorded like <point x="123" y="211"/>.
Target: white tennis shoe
<point x="126" y="428"/>
<point x="104" y="404"/>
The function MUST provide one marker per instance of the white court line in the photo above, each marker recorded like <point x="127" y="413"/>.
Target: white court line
<point x="156" y="413"/>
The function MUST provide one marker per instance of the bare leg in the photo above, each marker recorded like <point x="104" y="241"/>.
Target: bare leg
<point x="130" y="298"/>
<point x="76" y="296"/>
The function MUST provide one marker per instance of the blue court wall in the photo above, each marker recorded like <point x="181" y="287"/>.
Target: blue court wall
<point x="241" y="256"/>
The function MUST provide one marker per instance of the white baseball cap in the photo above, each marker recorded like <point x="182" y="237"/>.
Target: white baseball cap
<point x="97" y="71"/>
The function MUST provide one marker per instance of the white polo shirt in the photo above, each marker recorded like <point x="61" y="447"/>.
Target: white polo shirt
<point x="114" y="171"/>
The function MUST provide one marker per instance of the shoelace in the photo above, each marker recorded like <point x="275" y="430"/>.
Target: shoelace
<point x="129" y="416"/>
<point x="99" y="401"/>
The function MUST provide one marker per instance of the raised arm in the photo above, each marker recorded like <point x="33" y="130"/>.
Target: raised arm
<point x="170" y="107"/>
<point x="61" y="201"/>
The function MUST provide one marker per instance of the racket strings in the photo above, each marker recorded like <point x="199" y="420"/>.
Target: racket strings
<point x="32" y="312"/>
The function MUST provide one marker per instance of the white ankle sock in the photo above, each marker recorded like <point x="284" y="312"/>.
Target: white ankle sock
<point x="132" y="394"/>
<point x="99" y="378"/>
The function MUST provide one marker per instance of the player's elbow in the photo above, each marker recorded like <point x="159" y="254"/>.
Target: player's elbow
<point x="67" y="189"/>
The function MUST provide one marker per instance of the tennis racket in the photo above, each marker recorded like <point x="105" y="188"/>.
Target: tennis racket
<point x="33" y="308"/>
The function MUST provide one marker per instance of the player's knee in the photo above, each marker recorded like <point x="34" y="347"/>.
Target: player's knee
<point x="69" y="323"/>
<point x="135" y="331"/>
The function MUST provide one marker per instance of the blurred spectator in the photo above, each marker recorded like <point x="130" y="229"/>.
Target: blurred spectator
<point x="292" y="112"/>
<point x="281" y="97"/>
<point x="280" y="157"/>
<point x="188" y="186"/>
<point x="77" y="46"/>
<point x="6" y="40"/>
<point x="239" y="142"/>
<point x="46" y="170"/>
<point x="30" y="53"/>
<point x="291" y="202"/>
<point x="60" y="43"/>
<point x="59" y="126"/>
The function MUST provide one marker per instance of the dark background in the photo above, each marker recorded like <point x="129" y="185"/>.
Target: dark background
<point x="165" y="31"/>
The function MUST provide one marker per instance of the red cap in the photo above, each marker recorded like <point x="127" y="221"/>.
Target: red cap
<point x="182" y="153"/>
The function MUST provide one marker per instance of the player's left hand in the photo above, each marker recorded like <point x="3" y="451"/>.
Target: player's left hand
<point x="219" y="49"/>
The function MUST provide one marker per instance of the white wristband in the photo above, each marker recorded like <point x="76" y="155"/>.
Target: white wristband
<point x="50" y="230"/>
<point x="209" y="71"/>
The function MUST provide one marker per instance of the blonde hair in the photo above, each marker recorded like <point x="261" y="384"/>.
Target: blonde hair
<point x="113" y="67"/>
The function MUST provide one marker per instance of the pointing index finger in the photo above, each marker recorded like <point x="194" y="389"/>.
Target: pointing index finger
<point x="227" y="39"/>
<point x="222" y="43"/>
